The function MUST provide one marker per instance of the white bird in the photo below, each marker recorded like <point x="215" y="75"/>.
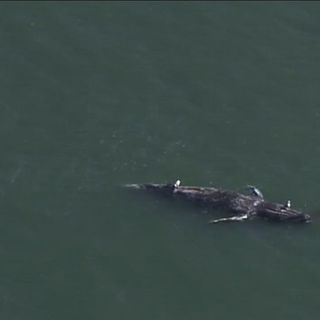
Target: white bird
<point x="177" y="184"/>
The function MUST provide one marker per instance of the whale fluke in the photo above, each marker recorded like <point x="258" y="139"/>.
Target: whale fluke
<point x="134" y="186"/>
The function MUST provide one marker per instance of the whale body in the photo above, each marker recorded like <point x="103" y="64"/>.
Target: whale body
<point x="241" y="206"/>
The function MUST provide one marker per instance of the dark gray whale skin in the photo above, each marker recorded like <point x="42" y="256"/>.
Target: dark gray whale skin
<point x="242" y="206"/>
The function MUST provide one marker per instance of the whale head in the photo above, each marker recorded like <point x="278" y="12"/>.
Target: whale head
<point x="280" y="212"/>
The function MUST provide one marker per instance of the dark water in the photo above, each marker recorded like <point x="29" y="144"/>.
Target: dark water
<point x="97" y="95"/>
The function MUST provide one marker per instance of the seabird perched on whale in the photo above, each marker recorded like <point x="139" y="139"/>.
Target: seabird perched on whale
<point x="177" y="183"/>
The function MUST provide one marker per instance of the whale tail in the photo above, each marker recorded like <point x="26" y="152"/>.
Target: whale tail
<point x="134" y="186"/>
<point x="166" y="189"/>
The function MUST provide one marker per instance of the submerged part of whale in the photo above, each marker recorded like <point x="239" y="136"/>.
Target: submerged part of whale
<point x="242" y="206"/>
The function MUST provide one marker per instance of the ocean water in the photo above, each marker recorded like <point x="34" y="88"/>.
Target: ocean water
<point x="96" y="95"/>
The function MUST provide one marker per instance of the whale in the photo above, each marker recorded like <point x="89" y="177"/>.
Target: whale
<point x="238" y="206"/>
